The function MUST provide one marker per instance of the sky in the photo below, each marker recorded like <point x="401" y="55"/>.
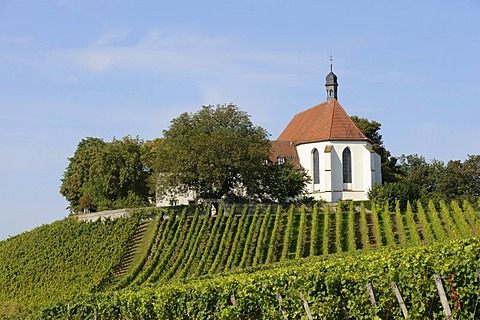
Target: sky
<point x="72" y="69"/>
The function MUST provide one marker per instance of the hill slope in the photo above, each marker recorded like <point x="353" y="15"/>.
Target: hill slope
<point x="60" y="260"/>
<point x="68" y="258"/>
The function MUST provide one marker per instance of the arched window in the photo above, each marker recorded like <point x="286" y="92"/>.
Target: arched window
<point x="316" y="166"/>
<point x="347" y="165"/>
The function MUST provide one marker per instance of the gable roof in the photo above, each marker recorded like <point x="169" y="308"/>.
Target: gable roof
<point x="323" y="122"/>
<point x="284" y="149"/>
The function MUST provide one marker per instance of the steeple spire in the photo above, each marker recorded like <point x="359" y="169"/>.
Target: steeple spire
<point x="331" y="83"/>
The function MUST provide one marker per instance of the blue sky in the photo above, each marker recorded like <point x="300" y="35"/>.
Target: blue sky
<point x="72" y="69"/>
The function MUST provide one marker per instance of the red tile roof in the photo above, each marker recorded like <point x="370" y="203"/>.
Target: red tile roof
<point x="323" y="122"/>
<point x="284" y="149"/>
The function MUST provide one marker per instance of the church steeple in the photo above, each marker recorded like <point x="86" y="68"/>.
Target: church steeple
<point x="331" y="83"/>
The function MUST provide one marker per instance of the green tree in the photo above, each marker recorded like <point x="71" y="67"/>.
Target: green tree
<point x="400" y="191"/>
<point x="471" y="168"/>
<point x="107" y="175"/>
<point x="460" y="179"/>
<point x="216" y="152"/>
<point x="434" y="180"/>
<point x="283" y="183"/>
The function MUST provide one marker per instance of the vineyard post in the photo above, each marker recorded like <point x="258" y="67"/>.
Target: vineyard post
<point x="371" y="294"/>
<point x="306" y="307"/>
<point x="443" y="297"/>
<point x="284" y="312"/>
<point x="233" y="300"/>
<point x="400" y="300"/>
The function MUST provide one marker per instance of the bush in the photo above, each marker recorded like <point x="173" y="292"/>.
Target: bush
<point x="402" y="191"/>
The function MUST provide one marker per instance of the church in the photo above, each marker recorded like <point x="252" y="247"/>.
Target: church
<point x="323" y="140"/>
<point x="337" y="156"/>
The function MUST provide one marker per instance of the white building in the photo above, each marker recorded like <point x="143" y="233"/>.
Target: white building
<point x="324" y="141"/>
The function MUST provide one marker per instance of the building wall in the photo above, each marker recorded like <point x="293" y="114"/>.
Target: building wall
<point x="175" y="199"/>
<point x="366" y="169"/>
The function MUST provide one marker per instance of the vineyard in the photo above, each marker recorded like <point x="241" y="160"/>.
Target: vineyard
<point x="58" y="260"/>
<point x="334" y="287"/>
<point x="198" y="244"/>
<point x="187" y="264"/>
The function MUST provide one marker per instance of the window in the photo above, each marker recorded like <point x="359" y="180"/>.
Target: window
<point x="316" y="166"/>
<point x="281" y="160"/>
<point x="347" y="165"/>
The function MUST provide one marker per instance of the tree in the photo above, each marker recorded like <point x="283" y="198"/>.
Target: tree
<point x="403" y="191"/>
<point x="432" y="180"/>
<point x="106" y="175"/>
<point x="415" y="179"/>
<point x="460" y="180"/>
<point x="371" y="129"/>
<point x="216" y="152"/>
<point x="77" y="174"/>
<point x="471" y="168"/>
<point x="283" y="183"/>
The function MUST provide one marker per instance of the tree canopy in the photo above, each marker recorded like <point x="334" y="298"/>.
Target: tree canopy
<point x="108" y="175"/>
<point x="216" y="152"/>
<point x="419" y="179"/>
<point x="283" y="182"/>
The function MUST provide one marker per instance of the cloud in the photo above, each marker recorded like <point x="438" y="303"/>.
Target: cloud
<point x="179" y="53"/>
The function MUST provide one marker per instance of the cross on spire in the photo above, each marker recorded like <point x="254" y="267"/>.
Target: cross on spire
<point x="331" y="83"/>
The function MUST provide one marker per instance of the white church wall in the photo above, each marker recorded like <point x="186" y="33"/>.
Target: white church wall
<point x="331" y="187"/>
<point x="368" y="169"/>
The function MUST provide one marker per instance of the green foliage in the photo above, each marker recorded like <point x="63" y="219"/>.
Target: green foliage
<point x="327" y="284"/>
<point x="402" y="237"/>
<point x="314" y="231"/>
<point x="107" y="175"/>
<point x="223" y="241"/>
<point x="60" y="260"/>
<point x="472" y="217"/>
<point x="417" y="179"/>
<point x="301" y="234"/>
<point x="401" y="191"/>
<point x="387" y="226"/>
<point x="272" y="245"/>
<point x="240" y="227"/>
<point x="448" y="220"/>
<point x="326" y="230"/>
<point x="411" y="224"/>
<point x="352" y="246"/>
<point x="259" y="249"/>
<point x="437" y="225"/>
<point x="460" y="221"/>
<point x="247" y="247"/>
<point x="287" y="240"/>
<point x="209" y="244"/>
<point x="212" y="152"/>
<point x="364" y="226"/>
<point x="282" y="183"/>
<point x="426" y="226"/>
<point x="188" y="248"/>
<point x="376" y="225"/>
<point x="182" y="252"/>
<point x="338" y="228"/>
<point x="206" y="224"/>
